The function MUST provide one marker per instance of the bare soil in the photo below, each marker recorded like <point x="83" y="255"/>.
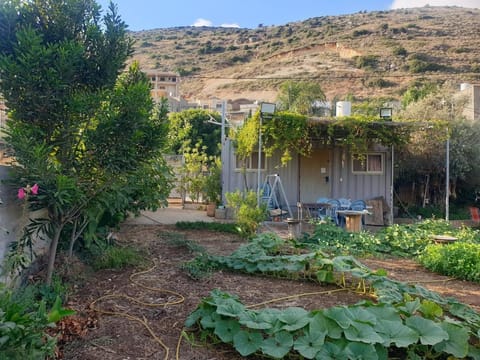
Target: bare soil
<point x="94" y="334"/>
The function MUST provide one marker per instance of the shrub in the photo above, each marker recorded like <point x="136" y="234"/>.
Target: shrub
<point x="399" y="51"/>
<point x="369" y="62"/>
<point x="116" y="257"/>
<point x="23" y="327"/>
<point x="247" y="213"/>
<point x="460" y="259"/>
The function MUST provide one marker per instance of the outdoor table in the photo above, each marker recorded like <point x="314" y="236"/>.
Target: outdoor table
<point x="353" y="219"/>
<point x="444" y="239"/>
<point x="308" y="208"/>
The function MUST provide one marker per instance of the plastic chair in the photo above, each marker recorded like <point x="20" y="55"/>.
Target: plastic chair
<point x="344" y="203"/>
<point x="359" y="205"/>
<point x="322" y="211"/>
<point x="332" y="210"/>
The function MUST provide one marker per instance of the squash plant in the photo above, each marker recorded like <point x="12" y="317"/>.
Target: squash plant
<point x="407" y="321"/>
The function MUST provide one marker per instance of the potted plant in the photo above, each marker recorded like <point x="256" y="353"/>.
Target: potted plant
<point x="213" y="187"/>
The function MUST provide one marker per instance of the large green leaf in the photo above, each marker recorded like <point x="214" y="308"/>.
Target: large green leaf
<point x="198" y="314"/>
<point x="457" y="343"/>
<point x="362" y="314"/>
<point x="247" y="342"/>
<point x="310" y="344"/>
<point x="362" y="332"/>
<point x="258" y="320"/>
<point x="321" y="324"/>
<point x="279" y="345"/>
<point x="210" y="321"/>
<point x="230" y="307"/>
<point x="430" y="309"/>
<point x="333" y="350"/>
<point x="294" y="318"/>
<point x="397" y="333"/>
<point x="339" y="314"/>
<point x="430" y="332"/>
<point x="226" y="329"/>
<point x="361" y="351"/>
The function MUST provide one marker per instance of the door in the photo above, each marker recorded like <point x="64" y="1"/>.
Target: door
<point x="315" y="176"/>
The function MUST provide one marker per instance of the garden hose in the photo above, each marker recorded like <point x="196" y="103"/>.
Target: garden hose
<point x="143" y="321"/>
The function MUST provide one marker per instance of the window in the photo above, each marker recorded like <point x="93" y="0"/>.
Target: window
<point x="370" y="163"/>
<point x="250" y="163"/>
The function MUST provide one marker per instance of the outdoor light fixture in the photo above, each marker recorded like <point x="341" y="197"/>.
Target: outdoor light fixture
<point x="266" y="111"/>
<point x="386" y="113"/>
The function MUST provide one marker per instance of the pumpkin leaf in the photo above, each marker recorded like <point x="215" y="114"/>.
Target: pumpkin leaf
<point x="294" y="318"/>
<point x="247" y="342"/>
<point x="226" y="329"/>
<point x="279" y="345"/>
<point x="430" y="332"/>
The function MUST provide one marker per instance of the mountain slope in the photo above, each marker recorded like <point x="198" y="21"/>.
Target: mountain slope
<point x="363" y="54"/>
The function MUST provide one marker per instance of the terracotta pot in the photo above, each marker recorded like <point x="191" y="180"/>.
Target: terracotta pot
<point x="211" y="210"/>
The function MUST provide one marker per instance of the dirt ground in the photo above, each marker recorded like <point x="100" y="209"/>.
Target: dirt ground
<point x="125" y="336"/>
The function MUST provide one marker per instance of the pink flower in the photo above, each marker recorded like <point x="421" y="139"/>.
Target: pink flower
<point x="21" y="193"/>
<point x="34" y="189"/>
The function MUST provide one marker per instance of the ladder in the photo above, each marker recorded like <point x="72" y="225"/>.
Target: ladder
<point x="272" y="189"/>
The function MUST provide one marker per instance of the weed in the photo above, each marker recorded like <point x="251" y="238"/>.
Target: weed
<point x="116" y="257"/>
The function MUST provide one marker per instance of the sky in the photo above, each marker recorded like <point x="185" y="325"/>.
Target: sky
<point x="153" y="14"/>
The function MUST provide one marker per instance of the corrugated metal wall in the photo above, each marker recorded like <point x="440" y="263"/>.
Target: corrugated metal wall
<point x="343" y="182"/>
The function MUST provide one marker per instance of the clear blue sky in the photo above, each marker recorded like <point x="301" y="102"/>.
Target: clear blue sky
<point x="152" y="14"/>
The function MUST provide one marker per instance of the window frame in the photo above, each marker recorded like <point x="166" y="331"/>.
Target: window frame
<point x="367" y="171"/>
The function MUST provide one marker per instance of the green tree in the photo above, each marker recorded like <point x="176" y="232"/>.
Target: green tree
<point x="299" y="96"/>
<point x="92" y="143"/>
<point x="425" y="155"/>
<point x="191" y="127"/>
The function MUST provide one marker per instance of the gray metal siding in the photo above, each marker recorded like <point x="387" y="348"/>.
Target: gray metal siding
<point x="343" y="182"/>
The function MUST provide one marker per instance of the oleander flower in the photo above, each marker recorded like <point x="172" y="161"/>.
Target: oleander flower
<point x="34" y="189"/>
<point x="21" y="193"/>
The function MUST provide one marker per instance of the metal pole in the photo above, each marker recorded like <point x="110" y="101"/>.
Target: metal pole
<point x="447" y="177"/>
<point x="259" y="170"/>
<point x="222" y="150"/>
<point x="391" y="186"/>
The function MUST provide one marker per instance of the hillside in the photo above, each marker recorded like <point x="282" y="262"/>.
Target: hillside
<point x="364" y="54"/>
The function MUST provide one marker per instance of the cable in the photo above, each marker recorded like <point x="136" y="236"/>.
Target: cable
<point x="328" y="292"/>
<point x="180" y="299"/>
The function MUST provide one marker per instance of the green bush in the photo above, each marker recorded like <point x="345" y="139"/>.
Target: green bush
<point x="24" y="324"/>
<point x="247" y="213"/>
<point x="369" y="62"/>
<point x="116" y="257"/>
<point x="460" y="260"/>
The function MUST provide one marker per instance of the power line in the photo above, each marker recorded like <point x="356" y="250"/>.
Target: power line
<point x="333" y="76"/>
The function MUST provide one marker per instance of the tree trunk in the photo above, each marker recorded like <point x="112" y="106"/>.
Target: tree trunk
<point x="53" y="253"/>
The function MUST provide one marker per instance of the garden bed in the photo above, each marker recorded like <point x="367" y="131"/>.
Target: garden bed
<point x="121" y="337"/>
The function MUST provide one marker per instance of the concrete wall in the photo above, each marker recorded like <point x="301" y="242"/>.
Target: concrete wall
<point x="10" y="213"/>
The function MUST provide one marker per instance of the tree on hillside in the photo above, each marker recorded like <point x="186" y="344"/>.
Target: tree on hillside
<point x="299" y="96"/>
<point x="90" y="141"/>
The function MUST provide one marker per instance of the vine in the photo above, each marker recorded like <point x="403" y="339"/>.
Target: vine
<point x="292" y="133"/>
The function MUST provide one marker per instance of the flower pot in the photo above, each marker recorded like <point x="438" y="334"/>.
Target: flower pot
<point x="211" y="210"/>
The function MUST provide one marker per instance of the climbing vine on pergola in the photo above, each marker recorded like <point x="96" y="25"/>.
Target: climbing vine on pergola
<point x="292" y="133"/>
